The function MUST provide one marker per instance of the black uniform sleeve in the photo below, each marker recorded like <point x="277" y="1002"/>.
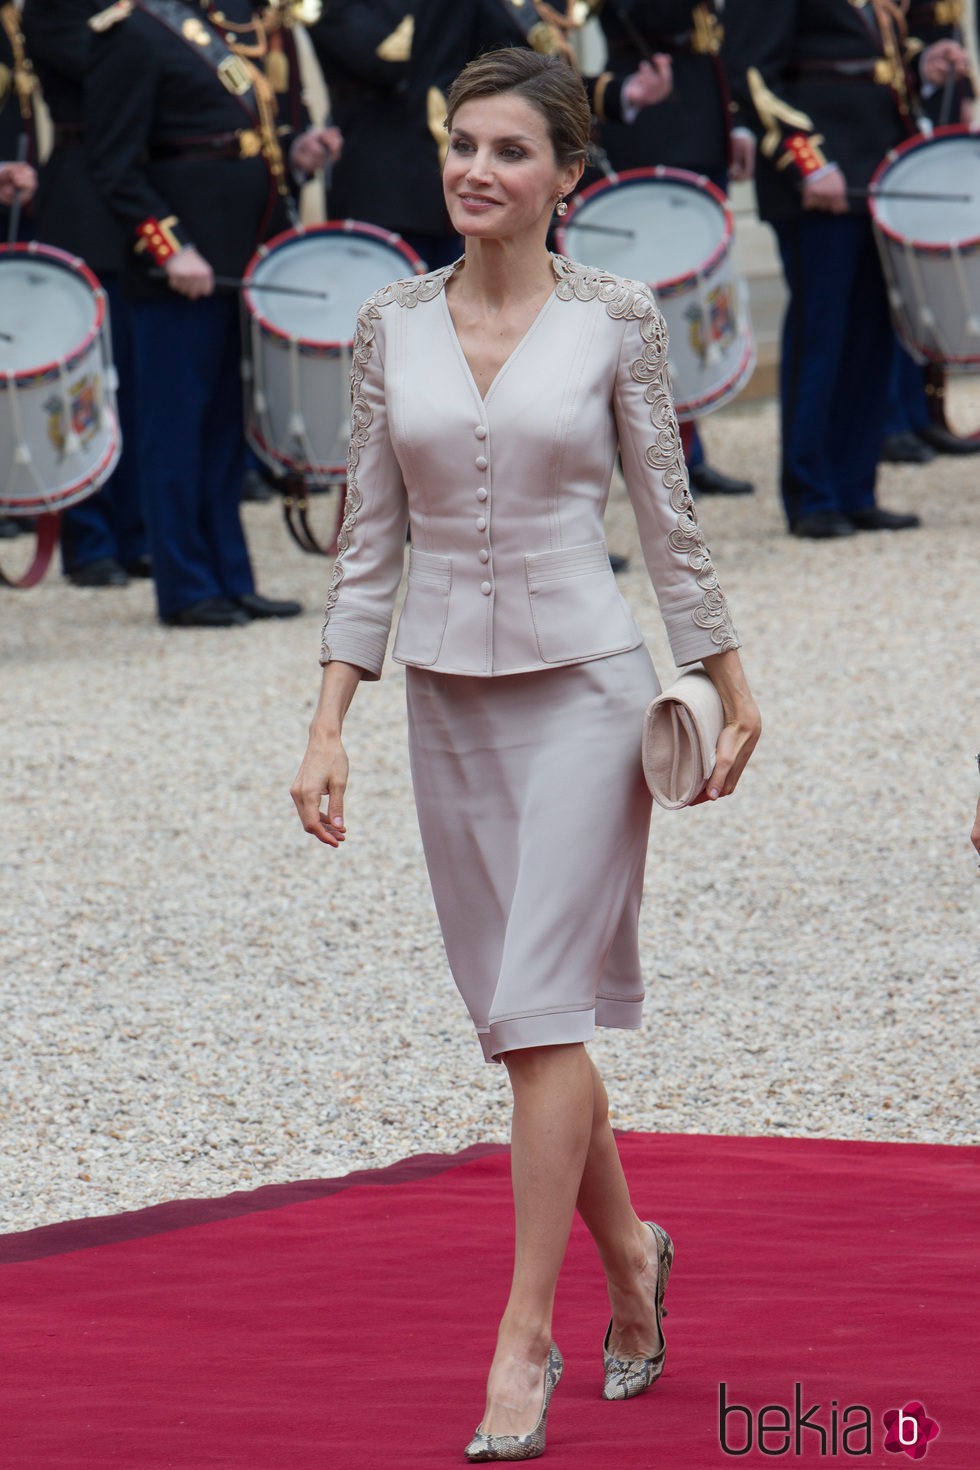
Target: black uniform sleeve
<point x="120" y="93"/>
<point x="353" y="35"/>
<point x="760" y="38"/>
<point x="55" y="32"/>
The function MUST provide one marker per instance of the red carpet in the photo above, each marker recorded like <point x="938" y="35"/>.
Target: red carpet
<point x="348" y="1323"/>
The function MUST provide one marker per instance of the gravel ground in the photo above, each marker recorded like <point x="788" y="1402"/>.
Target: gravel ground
<point x="199" y="998"/>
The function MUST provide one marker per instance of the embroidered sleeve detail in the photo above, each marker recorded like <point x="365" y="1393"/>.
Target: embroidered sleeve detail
<point x="622" y="298"/>
<point x="402" y="293"/>
<point x="666" y="456"/>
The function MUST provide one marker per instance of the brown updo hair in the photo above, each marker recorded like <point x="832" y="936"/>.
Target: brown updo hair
<point x="548" y="83"/>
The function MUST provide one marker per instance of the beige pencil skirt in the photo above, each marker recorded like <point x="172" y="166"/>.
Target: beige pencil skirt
<point x="535" y="817"/>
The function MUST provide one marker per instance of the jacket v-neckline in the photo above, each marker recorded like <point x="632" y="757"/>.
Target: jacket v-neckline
<point x="451" y="325"/>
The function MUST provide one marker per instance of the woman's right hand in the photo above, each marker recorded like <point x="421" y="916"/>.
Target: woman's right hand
<point x="323" y="772"/>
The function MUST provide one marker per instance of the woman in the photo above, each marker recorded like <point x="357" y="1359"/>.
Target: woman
<point x="488" y="400"/>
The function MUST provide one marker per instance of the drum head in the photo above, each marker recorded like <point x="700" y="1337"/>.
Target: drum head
<point x="47" y="311"/>
<point x="654" y="229"/>
<point x="346" y="265"/>
<point x="943" y="165"/>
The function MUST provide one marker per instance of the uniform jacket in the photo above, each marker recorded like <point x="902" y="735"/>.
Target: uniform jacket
<point x="148" y="94"/>
<point x="508" y="569"/>
<point x="363" y="50"/>
<point x="68" y="209"/>
<point x="804" y="112"/>
<point x="690" y="128"/>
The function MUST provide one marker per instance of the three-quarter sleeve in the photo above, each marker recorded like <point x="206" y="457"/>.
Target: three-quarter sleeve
<point x="371" y="545"/>
<point x="692" y="603"/>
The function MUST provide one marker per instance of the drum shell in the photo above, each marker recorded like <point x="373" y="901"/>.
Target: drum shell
<point x="297" y="407"/>
<point x="59" y="431"/>
<point x="705" y="307"/>
<point x="933" y="287"/>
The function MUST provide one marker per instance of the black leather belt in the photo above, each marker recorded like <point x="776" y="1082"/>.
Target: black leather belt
<point x="68" y="135"/>
<point x="244" y="144"/>
<point x="859" y="70"/>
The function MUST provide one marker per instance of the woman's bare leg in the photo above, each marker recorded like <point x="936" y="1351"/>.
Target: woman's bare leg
<point x="627" y="1249"/>
<point x="552" y="1125"/>
<point x="563" y="1156"/>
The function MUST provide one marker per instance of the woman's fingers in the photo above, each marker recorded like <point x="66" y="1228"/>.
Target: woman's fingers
<point x="316" y="779"/>
<point x="734" y="748"/>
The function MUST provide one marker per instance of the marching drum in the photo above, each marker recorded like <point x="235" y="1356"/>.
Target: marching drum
<point x="674" y="231"/>
<point x="298" y="355"/>
<point x="59" y="434"/>
<point x="930" y="248"/>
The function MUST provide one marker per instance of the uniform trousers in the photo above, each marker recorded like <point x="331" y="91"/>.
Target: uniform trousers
<point x="110" y="524"/>
<point x="908" y="404"/>
<point x="192" y="447"/>
<point x="836" y="361"/>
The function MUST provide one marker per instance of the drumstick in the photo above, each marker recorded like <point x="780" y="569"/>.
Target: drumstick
<point x="13" y="224"/>
<point x="234" y="283"/>
<point x="601" y="229"/>
<point x="905" y="194"/>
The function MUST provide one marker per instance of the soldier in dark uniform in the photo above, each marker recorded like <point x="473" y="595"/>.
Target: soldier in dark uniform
<point x="829" y="87"/>
<point x="692" y="129"/>
<point x="363" y="50"/>
<point x="183" y="143"/>
<point x="103" y="540"/>
<point x="18" y="151"/>
<point x="915" y="432"/>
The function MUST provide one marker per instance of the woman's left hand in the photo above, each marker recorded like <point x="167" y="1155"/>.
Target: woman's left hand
<point x="743" y="723"/>
<point x="735" y="744"/>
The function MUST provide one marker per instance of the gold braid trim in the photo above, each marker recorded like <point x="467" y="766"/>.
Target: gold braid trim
<point x="25" y="82"/>
<point x="773" y="111"/>
<point x="398" y="46"/>
<point x="435" y="109"/>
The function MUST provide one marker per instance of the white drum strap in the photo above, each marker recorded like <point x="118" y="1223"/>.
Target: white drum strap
<point x="927" y="317"/>
<point x="345" y="363"/>
<point x="298" y="434"/>
<point x="969" y="305"/>
<point x="22" y="458"/>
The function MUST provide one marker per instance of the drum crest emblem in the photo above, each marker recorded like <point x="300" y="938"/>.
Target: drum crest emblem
<point x="84" y="417"/>
<point x="711" y="324"/>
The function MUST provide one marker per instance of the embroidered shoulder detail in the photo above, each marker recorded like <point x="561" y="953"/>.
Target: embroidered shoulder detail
<point x="622" y="298"/>
<point x="666" y="456"/>
<point x="400" y="293"/>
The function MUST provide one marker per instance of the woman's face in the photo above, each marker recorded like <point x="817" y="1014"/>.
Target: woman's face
<point x="500" y="177"/>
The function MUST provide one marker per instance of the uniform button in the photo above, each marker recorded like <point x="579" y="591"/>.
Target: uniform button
<point x="481" y="523"/>
<point x="485" y="588"/>
<point x="481" y="461"/>
<point x="481" y="494"/>
<point x="484" y="555"/>
<point x="480" y="431"/>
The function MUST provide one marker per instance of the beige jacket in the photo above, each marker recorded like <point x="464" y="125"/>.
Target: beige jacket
<point x="508" y="569"/>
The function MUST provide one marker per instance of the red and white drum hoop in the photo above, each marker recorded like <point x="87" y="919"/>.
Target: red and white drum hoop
<point x="674" y="231"/>
<point x="59" y="432"/>
<point x="298" y="353"/>
<point x="930" y="248"/>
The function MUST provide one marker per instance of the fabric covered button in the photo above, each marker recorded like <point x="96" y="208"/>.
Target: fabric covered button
<point x="481" y="523"/>
<point x="481" y="461"/>
<point x="480" y="431"/>
<point x="481" y="494"/>
<point x="484" y="555"/>
<point x="485" y="588"/>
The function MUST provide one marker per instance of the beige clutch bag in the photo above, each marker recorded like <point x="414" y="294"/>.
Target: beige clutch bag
<point x="680" y="736"/>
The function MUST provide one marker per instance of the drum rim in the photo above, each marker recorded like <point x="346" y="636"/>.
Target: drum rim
<point x="344" y="226"/>
<point x="76" y="266"/>
<point x="661" y="171"/>
<point x="895" y="155"/>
